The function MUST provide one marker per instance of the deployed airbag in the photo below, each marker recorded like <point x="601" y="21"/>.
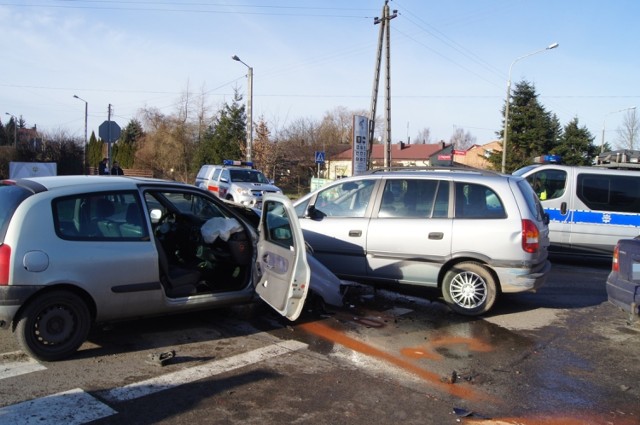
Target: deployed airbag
<point x="219" y="227"/>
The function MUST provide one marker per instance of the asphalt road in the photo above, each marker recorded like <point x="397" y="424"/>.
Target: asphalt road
<point x="563" y="355"/>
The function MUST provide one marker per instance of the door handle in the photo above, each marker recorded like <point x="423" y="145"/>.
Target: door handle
<point x="563" y="208"/>
<point x="436" y="235"/>
<point x="355" y="233"/>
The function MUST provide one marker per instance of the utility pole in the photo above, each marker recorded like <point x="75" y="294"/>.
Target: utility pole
<point x="384" y="29"/>
<point x="109" y="137"/>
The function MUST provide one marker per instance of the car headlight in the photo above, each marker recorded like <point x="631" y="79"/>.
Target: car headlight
<point x="243" y="191"/>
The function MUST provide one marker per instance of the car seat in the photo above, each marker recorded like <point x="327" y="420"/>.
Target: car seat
<point x="133" y="226"/>
<point x="104" y="210"/>
<point x="177" y="281"/>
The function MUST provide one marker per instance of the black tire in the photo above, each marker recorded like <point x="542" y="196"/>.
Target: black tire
<point x="469" y="289"/>
<point x="53" y="325"/>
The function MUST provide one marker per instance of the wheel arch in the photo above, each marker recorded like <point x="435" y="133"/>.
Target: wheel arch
<point x="84" y="295"/>
<point x="468" y="259"/>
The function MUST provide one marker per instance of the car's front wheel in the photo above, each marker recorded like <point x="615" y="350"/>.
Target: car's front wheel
<point x="53" y="325"/>
<point x="469" y="289"/>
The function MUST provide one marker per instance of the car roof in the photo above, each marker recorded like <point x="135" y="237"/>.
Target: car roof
<point x="431" y="172"/>
<point x="38" y="184"/>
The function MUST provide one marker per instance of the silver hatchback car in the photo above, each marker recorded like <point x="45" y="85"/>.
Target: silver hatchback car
<point x="472" y="234"/>
<point x="78" y="250"/>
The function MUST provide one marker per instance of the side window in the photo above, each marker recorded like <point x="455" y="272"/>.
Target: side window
<point x="225" y="175"/>
<point x="186" y="202"/>
<point x="413" y="198"/>
<point x="347" y="199"/>
<point x="548" y="184"/>
<point x="609" y="192"/>
<point x="113" y="216"/>
<point x="216" y="174"/>
<point x="477" y="201"/>
<point x="277" y="225"/>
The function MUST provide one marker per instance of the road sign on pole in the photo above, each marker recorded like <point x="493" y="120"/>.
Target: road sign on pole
<point x="320" y="157"/>
<point x="109" y="131"/>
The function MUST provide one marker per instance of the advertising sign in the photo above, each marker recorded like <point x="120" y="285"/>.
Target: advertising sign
<point x="360" y="144"/>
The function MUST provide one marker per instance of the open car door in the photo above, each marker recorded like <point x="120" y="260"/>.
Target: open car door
<point x="282" y="258"/>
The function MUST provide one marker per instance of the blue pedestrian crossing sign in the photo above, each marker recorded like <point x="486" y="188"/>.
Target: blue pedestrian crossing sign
<point x="320" y="157"/>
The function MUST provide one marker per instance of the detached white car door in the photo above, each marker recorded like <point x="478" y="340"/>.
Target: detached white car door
<point x="282" y="258"/>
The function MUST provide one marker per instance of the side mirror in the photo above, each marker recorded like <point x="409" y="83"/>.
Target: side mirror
<point x="314" y="213"/>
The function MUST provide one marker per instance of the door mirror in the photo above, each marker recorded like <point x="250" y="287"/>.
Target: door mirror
<point x="314" y="213"/>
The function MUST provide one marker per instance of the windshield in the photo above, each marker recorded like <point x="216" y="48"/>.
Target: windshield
<point x="10" y="197"/>
<point x="523" y="170"/>
<point x="248" y="176"/>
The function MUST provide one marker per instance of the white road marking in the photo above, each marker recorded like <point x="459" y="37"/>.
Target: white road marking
<point x="171" y="380"/>
<point x="76" y="407"/>
<point x="21" y="367"/>
<point x="73" y="407"/>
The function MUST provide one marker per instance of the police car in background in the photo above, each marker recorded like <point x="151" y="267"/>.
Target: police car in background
<point x="236" y="181"/>
<point x="590" y="208"/>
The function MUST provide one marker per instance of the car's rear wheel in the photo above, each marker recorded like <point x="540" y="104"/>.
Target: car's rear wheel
<point x="469" y="289"/>
<point x="53" y="326"/>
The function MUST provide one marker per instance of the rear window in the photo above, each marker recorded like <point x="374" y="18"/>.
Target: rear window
<point x="530" y="196"/>
<point x="478" y="201"/>
<point x="10" y="197"/>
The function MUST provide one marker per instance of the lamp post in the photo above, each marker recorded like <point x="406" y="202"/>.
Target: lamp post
<point x="604" y="120"/>
<point x="15" y="129"/>
<point x="84" y="147"/>
<point x="249" y="107"/>
<point x="506" y="109"/>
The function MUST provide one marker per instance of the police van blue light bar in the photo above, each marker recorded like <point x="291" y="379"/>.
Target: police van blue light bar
<point x="547" y="159"/>
<point x="240" y="163"/>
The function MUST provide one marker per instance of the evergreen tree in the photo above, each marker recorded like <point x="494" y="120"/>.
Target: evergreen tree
<point x="576" y="145"/>
<point x="124" y="150"/>
<point x="94" y="151"/>
<point x="532" y="130"/>
<point x="4" y="139"/>
<point x="11" y="132"/>
<point x="226" y="137"/>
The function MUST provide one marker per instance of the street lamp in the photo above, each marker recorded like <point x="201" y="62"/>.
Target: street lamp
<point x="84" y="147"/>
<point x="249" y="107"/>
<point x="15" y="129"/>
<point x="603" y="121"/>
<point x="506" y="109"/>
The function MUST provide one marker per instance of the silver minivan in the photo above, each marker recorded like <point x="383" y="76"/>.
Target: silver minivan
<point x="590" y="208"/>
<point x="472" y="234"/>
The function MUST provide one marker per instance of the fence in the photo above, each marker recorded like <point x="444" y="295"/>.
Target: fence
<point x="132" y="172"/>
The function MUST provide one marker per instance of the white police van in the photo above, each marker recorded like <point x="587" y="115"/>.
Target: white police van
<point x="236" y="181"/>
<point x="590" y="208"/>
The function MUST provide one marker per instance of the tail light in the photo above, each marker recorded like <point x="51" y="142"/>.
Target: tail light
<point x="530" y="237"/>
<point x="5" y="261"/>
<point x="615" y="265"/>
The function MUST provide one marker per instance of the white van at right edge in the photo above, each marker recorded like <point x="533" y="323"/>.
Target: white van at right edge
<point x="590" y="208"/>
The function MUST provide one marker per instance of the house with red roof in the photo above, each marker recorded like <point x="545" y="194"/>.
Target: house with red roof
<point x="401" y="155"/>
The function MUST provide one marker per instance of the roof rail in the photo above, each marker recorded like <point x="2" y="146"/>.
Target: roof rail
<point x="434" y="169"/>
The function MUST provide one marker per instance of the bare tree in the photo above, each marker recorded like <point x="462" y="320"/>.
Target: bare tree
<point x="629" y="132"/>
<point x="423" y="137"/>
<point x="461" y="139"/>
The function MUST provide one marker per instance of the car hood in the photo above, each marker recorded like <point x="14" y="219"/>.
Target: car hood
<point x="257" y="186"/>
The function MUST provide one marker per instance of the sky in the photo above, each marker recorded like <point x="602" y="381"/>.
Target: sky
<point x="450" y="61"/>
